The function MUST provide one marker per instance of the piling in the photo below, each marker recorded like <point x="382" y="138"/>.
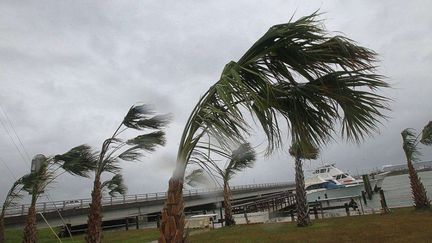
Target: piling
<point x="367" y="186"/>
<point x="364" y="197"/>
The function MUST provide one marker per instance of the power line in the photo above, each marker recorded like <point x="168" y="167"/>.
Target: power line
<point x="10" y="171"/>
<point x="13" y="129"/>
<point x="14" y="143"/>
<point x="24" y="159"/>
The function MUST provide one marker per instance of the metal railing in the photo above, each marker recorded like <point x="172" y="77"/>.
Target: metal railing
<point x="51" y="206"/>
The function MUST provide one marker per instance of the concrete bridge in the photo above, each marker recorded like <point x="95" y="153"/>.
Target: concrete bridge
<point x="142" y="205"/>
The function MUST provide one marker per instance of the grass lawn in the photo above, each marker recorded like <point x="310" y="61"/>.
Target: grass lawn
<point x="402" y="225"/>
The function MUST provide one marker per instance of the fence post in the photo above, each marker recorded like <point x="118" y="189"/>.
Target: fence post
<point x="44" y="207"/>
<point x="315" y="212"/>
<point x="383" y="202"/>
<point x="136" y="198"/>
<point x="322" y="211"/>
<point x="22" y="209"/>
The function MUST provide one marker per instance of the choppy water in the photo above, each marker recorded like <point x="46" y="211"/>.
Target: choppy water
<point x="397" y="190"/>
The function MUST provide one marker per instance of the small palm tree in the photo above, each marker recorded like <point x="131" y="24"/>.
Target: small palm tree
<point x="44" y="171"/>
<point x="302" y="150"/>
<point x="410" y="147"/>
<point x="240" y="159"/>
<point x="298" y="72"/>
<point x="114" y="150"/>
<point x="13" y="194"/>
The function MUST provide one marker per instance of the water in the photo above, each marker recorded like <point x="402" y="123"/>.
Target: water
<point x="397" y="190"/>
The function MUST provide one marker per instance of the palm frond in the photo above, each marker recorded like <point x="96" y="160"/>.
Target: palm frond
<point x="111" y="165"/>
<point x="13" y="194"/>
<point x="241" y="158"/>
<point x="409" y="139"/>
<point x="78" y="161"/>
<point x="115" y="185"/>
<point x="149" y="141"/>
<point x="142" y="117"/>
<point x="426" y="137"/>
<point x="297" y="70"/>
<point x="196" y="178"/>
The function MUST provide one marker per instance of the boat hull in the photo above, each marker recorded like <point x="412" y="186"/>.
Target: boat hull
<point x="347" y="191"/>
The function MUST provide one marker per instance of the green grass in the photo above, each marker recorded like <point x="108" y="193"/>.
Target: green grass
<point x="402" y="225"/>
<point x="114" y="236"/>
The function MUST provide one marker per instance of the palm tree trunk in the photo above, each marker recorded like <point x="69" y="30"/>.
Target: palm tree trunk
<point x="229" y="220"/>
<point x="173" y="219"/>
<point x="94" y="222"/>
<point x="2" y="228"/>
<point x="420" y="198"/>
<point x="302" y="204"/>
<point x="30" y="227"/>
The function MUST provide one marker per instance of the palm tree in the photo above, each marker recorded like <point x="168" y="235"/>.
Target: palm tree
<point x="13" y="194"/>
<point x="44" y="171"/>
<point x="301" y="151"/>
<point x="410" y="147"/>
<point x="115" y="149"/>
<point x="240" y="159"/>
<point x="297" y="72"/>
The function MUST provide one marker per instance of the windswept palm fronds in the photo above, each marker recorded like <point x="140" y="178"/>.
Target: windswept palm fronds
<point x="238" y="160"/>
<point x="410" y="142"/>
<point x="114" y="150"/>
<point x="77" y="161"/>
<point x="115" y="185"/>
<point x="12" y="196"/>
<point x="297" y="72"/>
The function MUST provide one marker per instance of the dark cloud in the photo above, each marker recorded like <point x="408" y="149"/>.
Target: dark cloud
<point x="71" y="69"/>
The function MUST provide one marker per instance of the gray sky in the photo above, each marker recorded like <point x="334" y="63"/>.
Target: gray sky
<point x="69" y="71"/>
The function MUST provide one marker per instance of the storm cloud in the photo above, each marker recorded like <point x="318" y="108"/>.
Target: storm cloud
<point x="69" y="71"/>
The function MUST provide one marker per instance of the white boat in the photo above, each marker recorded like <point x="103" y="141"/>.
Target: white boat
<point x="330" y="171"/>
<point x="318" y="188"/>
<point x="331" y="182"/>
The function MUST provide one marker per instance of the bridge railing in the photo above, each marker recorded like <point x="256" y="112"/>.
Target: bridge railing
<point x="51" y="206"/>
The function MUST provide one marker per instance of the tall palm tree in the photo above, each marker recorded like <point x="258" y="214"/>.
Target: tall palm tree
<point x="115" y="149"/>
<point x="297" y="72"/>
<point x="44" y="171"/>
<point x="302" y="150"/>
<point x="240" y="159"/>
<point x="410" y="147"/>
<point x="14" y="193"/>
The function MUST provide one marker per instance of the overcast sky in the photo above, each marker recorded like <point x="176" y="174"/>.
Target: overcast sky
<point x="69" y="71"/>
